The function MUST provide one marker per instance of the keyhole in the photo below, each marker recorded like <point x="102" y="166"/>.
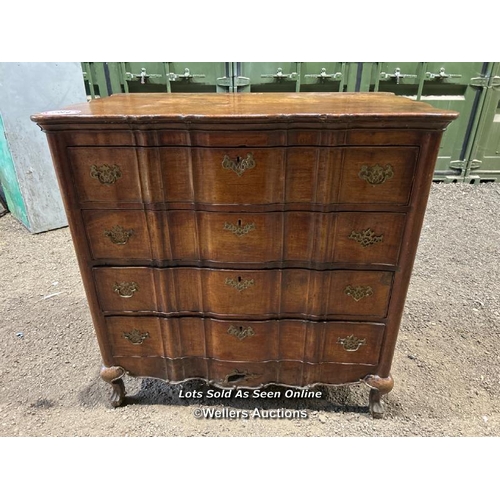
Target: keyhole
<point x="239" y="281"/>
<point x="238" y="159"/>
<point x="239" y="222"/>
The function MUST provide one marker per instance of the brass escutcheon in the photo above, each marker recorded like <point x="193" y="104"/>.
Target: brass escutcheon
<point x="106" y="174"/>
<point x="239" y="229"/>
<point x="366" y="238"/>
<point x="118" y="235"/>
<point x="241" y="332"/>
<point x="376" y="175"/>
<point x="358" y="292"/>
<point x="239" y="284"/>
<point x="240" y="165"/>
<point x="126" y="289"/>
<point x="135" y="336"/>
<point x="351" y="343"/>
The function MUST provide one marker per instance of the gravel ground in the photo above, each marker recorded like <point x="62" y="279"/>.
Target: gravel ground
<point x="446" y="366"/>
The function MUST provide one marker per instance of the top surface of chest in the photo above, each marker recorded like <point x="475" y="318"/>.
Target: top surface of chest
<point x="336" y="110"/>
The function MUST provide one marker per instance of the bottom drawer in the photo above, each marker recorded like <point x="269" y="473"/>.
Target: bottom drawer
<point x="248" y="341"/>
<point x="244" y="374"/>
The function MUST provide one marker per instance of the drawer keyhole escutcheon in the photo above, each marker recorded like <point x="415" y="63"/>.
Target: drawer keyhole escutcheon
<point x="135" y="336"/>
<point x="351" y="343"/>
<point x="237" y="376"/>
<point x="241" y="332"/>
<point x="239" y="284"/>
<point x="118" y="235"/>
<point x="106" y="174"/>
<point x="376" y="175"/>
<point x="239" y="229"/>
<point x="366" y="238"/>
<point x="239" y="165"/>
<point x="358" y="292"/>
<point x="126" y="289"/>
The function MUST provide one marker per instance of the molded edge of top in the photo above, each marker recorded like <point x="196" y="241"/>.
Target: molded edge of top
<point x="249" y="107"/>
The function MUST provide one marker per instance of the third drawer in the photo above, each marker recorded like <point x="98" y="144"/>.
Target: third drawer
<point x="259" y="294"/>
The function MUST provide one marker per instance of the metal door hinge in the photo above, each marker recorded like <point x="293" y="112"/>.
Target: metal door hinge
<point x="475" y="164"/>
<point x="486" y="82"/>
<point x="462" y="165"/>
<point x="227" y="81"/>
<point x="458" y="165"/>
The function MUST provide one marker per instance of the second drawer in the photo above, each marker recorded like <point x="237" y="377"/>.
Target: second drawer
<point x="287" y="239"/>
<point x="292" y="293"/>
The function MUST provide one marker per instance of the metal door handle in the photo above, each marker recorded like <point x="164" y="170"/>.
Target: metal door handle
<point x="440" y="76"/>
<point x="142" y="76"/>
<point x="279" y="75"/>
<point x="397" y="75"/>
<point x="323" y="75"/>
<point x="183" y="76"/>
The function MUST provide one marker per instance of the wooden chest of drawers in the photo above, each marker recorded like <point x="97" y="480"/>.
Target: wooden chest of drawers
<point x="246" y="239"/>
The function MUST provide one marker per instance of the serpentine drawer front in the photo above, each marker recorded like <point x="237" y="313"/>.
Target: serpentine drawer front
<point x="218" y="179"/>
<point x="246" y="239"/>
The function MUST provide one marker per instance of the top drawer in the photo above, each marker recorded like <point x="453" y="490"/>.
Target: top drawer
<point x="303" y="178"/>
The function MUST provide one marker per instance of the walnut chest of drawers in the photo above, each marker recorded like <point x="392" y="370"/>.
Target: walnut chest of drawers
<point x="246" y="239"/>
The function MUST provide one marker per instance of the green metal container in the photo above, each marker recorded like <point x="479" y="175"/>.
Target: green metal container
<point x="470" y="149"/>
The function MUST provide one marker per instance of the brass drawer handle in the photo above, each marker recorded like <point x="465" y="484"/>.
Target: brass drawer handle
<point x="126" y="289"/>
<point x="241" y="332"/>
<point x="135" y="336"/>
<point x="106" y="174"/>
<point x="351" y="343"/>
<point x="239" y="229"/>
<point x="240" y="165"/>
<point x="376" y="175"/>
<point x="358" y="292"/>
<point x="366" y="238"/>
<point x="118" y="235"/>
<point x="237" y="376"/>
<point x="239" y="284"/>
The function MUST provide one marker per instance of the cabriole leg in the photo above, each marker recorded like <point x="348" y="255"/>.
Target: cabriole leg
<point x="379" y="387"/>
<point x="113" y="375"/>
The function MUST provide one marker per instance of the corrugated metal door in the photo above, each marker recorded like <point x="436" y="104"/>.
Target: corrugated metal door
<point x="295" y="76"/>
<point x="173" y="77"/>
<point x="470" y="147"/>
<point x="483" y="159"/>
